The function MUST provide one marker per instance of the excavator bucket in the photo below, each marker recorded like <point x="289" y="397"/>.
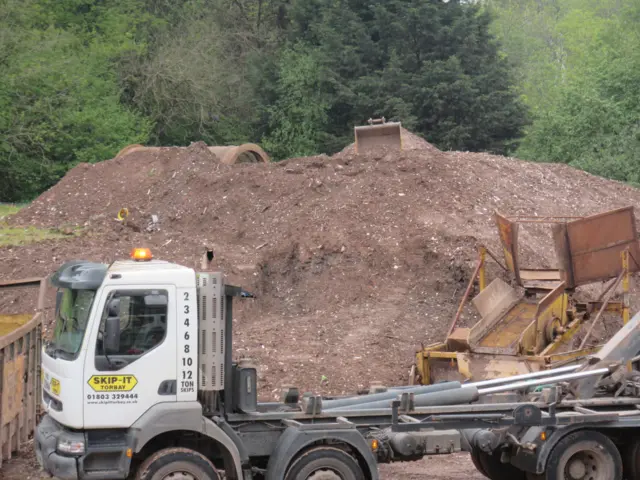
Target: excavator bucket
<point x="377" y="134"/>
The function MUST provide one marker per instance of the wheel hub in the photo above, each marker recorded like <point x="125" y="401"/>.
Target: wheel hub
<point x="324" y="475"/>
<point x="577" y="469"/>
<point x="585" y="466"/>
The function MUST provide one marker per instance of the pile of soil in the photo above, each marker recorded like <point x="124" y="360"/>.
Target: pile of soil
<point x="355" y="260"/>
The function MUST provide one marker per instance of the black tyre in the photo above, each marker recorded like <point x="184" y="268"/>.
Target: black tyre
<point x="475" y="458"/>
<point x="535" y="476"/>
<point x="631" y="460"/>
<point x="177" y="463"/>
<point x="324" y="463"/>
<point x="496" y="470"/>
<point x="584" y="455"/>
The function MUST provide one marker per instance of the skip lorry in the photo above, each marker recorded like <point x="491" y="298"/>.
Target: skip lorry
<point x="139" y="381"/>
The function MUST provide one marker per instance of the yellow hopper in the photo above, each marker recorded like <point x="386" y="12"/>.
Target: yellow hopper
<point x="523" y="332"/>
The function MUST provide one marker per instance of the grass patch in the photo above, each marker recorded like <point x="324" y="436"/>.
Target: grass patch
<point x="15" y="236"/>
<point x="11" y="237"/>
<point x="7" y="209"/>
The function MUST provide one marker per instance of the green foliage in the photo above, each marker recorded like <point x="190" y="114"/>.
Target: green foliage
<point x="299" y="116"/>
<point x="12" y="237"/>
<point x="586" y="116"/>
<point x="59" y="105"/>
<point x="81" y="79"/>
<point x="429" y="64"/>
<point x="190" y="86"/>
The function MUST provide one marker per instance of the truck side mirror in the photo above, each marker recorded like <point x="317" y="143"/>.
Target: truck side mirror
<point x="111" y="339"/>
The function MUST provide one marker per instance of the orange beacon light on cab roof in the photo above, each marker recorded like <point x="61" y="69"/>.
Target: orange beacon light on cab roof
<point x="141" y="254"/>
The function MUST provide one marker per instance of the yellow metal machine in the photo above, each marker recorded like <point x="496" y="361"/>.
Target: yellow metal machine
<point x="531" y="327"/>
<point x="377" y="134"/>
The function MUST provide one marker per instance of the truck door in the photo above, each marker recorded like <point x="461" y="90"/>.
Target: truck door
<point x="120" y="386"/>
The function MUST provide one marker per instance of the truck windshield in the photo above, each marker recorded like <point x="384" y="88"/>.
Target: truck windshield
<point x="71" y="322"/>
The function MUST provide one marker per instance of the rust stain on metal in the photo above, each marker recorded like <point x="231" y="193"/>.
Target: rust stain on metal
<point x="508" y="232"/>
<point x="12" y="388"/>
<point x="551" y="319"/>
<point x="466" y="294"/>
<point x="20" y="387"/>
<point x="589" y="248"/>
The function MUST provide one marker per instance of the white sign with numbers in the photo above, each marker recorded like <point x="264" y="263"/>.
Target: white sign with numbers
<point x="187" y="345"/>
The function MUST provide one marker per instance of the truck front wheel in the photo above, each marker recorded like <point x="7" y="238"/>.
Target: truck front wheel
<point x="584" y="455"/>
<point x="324" y="463"/>
<point x="177" y="464"/>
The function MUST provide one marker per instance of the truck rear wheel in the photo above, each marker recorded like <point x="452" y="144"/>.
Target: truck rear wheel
<point x="324" y="463"/>
<point x="631" y="460"/>
<point x="584" y="455"/>
<point x="475" y="458"/>
<point x="177" y="464"/>
<point x="494" y="469"/>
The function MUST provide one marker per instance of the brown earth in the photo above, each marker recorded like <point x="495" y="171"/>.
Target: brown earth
<point x="355" y="260"/>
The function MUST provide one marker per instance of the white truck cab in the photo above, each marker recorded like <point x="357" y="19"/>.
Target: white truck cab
<point x="140" y="301"/>
<point x="125" y="341"/>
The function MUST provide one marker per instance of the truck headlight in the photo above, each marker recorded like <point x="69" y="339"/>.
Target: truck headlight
<point x="70" y="447"/>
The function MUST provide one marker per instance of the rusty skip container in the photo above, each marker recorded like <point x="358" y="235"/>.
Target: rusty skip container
<point x="20" y="384"/>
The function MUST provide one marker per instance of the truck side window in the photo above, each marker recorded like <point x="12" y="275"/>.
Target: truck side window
<point x="143" y="326"/>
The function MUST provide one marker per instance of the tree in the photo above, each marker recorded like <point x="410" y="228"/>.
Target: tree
<point x="298" y="118"/>
<point x="592" y="122"/>
<point x="432" y="65"/>
<point x="203" y="77"/>
<point x="59" y="102"/>
<point x="81" y="79"/>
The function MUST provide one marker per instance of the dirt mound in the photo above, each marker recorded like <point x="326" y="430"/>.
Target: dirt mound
<point x="93" y="193"/>
<point x="355" y="260"/>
